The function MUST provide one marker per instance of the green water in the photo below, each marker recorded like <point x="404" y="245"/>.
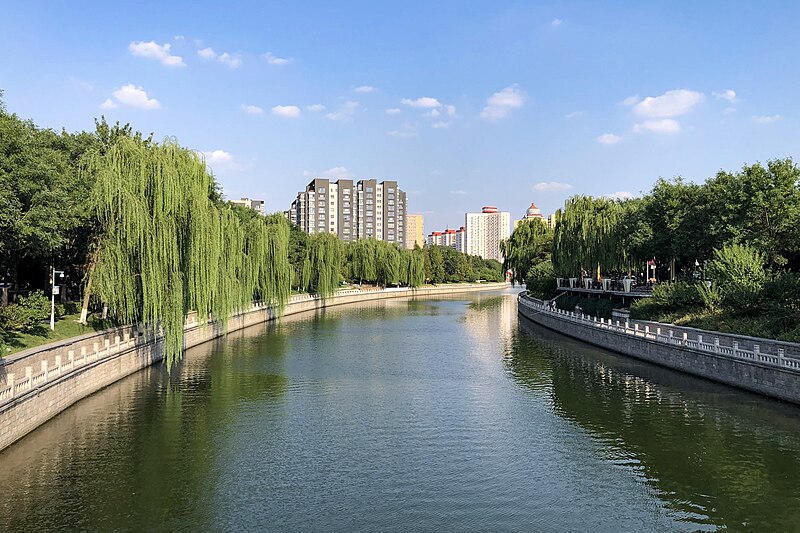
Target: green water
<point x="450" y="415"/>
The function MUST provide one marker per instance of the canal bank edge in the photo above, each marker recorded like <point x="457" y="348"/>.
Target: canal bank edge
<point x="38" y="384"/>
<point x="776" y="374"/>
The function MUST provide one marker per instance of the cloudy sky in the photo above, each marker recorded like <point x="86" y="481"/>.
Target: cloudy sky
<point x="464" y="103"/>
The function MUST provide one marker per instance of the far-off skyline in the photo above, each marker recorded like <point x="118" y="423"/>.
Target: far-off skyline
<point x="494" y="103"/>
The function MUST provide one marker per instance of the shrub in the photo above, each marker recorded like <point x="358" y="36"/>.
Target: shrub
<point x="541" y="280"/>
<point x="738" y="274"/>
<point x="28" y="313"/>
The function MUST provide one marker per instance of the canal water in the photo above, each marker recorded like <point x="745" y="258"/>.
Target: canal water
<point x="446" y="415"/>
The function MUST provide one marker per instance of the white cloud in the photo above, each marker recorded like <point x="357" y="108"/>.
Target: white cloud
<point x="252" y="109"/>
<point x="631" y="100"/>
<point x="433" y="113"/>
<point x="500" y="104"/>
<point x="551" y="186"/>
<point x="458" y="192"/>
<point x="315" y="108"/>
<point x="408" y="129"/>
<point x="217" y="157"/>
<point x="609" y="138"/>
<point x="424" y="102"/>
<point x="665" y="125"/>
<point x="556" y="23"/>
<point x="272" y="59"/>
<point x="670" y="104"/>
<point x="393" y="111"/>
<point x="574" y="114"/>
<point x="233" y="61"/>
<point x="108" y="104"/>
<point x="728" y="110"/>
<point x="365" y="89"/>
<point x="344" y="113"/>
<point x="619" y="195"/>
<point x="159" y="52"/>
<point x="766" y="119"/>
<point x="178" y="38"/>
<point x="728" y="94"/>
<point x="286" y="111"/>
<point x="338" y="173"/>
<point x="450" y="111"/>
<point x="207" y="53"/>
<point x="133" y="96"/>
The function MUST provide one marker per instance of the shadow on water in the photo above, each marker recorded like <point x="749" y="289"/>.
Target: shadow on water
<point x="716" y="457"/>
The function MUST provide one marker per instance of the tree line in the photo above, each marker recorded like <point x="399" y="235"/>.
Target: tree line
<point x="141" y="228"/>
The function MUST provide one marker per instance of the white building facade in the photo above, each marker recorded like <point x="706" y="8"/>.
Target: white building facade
<point x="485" y="230"/>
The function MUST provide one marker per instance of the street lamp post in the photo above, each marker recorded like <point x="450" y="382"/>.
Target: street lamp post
<point x="53" y="291"/>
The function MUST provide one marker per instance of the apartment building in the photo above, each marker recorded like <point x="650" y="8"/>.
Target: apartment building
<point x="415" y="231"/>
<point x="255" y="205"/>
<point x="352" y="210"/>
<point x="454" y="238"/>
<point x="485" y="230"/>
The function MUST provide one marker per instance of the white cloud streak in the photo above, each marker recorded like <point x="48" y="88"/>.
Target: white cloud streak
<point x="608" y="139"/>
<point x="231" y="60"/>
<point x="766" y="119"/>
<point x="344" y="113"/>
<point x="252" y="109"/>
<point x="286" y="111"/>
<point x="315" y="108"/>
<point x="159" y="52"/>
<point x="425" y="102"/>
<point x="133" y="96"/>
<point x="551" y="186"/>
<point x="670" y="104"/>
<point x="665" y="125"/>
<point x="500" y="104"/>
<point x="365" y="89"/>
<point x="272" y="59"/>
<point x="728" y="94"/>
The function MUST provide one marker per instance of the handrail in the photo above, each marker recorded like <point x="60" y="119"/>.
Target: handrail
<point x="666" y="335"/>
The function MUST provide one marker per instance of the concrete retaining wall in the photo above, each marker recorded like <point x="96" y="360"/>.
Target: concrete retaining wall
<point x="37" y="384"/>
<point x="772" y="374"/>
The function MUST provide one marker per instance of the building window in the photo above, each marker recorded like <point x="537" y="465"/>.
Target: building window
<point x="369" y="189"/>
<point x="322" y="190"/>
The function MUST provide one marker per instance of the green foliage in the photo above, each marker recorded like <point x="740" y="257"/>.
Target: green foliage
<point x="322" y="266"/>
<point x="541" y="280"/>
<point x="529" y="245"/>
<point x="29" y="313"/>
<point x="738" y="274"/>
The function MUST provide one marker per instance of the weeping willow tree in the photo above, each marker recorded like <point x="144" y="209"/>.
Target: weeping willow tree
<point x="322" y="264"/>
<point x="529" y="244"/>
<point x="416" y="268"/>
<point x="587" y="237"/>
<point x="166" y="248"/>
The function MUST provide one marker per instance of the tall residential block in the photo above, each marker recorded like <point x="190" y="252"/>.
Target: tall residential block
<point x="485" y="230"/>
<point x="415" y="232"/>
<point x="352" y="210"/>
<point x="454" y="238"/>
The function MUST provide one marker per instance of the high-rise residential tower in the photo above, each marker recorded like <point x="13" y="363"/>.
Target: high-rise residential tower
<point x="485" y="230"/>
<point x="352" y="210"/>
<point x="415" y="232"/>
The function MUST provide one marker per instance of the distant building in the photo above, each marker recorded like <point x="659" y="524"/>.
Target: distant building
<point x="531" y="213"/>
<point x="352" y="210"/>
<point x="415" y="232"/>
<point x="454" y="238"/>
<point x="255" y="205"/>
<point x="485" y="230"/>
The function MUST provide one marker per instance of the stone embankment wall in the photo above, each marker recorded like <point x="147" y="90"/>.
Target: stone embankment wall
<point x="39" y="383"/>
<point x="771" y="368"/>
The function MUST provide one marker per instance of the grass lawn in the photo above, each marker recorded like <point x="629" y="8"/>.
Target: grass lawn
<point x="66" y="327"/>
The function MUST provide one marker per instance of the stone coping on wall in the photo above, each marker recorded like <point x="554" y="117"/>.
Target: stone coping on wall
<point x="32" y="369"/>
<point x="779" y="354"/>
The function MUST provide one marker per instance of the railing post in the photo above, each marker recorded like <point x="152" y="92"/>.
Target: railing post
<point x="735" y="348"/>
<point x="685" y="339"/>
<point x="781" y="352"/>
<point x="44" y="369"/>
<point x="716" y="344"/>
<point x="646" y="331"/>
<point x="756" y="352"/>
<point x="10" y="382"/>
<point x="58" y="363"/>
<point x="658" y="332"/>
<point x="699" y="340"/>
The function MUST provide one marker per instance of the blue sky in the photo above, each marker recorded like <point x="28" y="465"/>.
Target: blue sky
<point x="464" y="103"/>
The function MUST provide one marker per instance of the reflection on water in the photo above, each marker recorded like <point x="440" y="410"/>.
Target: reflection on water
<point x="408" y="414"/>
<point x="715" y="456"/>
